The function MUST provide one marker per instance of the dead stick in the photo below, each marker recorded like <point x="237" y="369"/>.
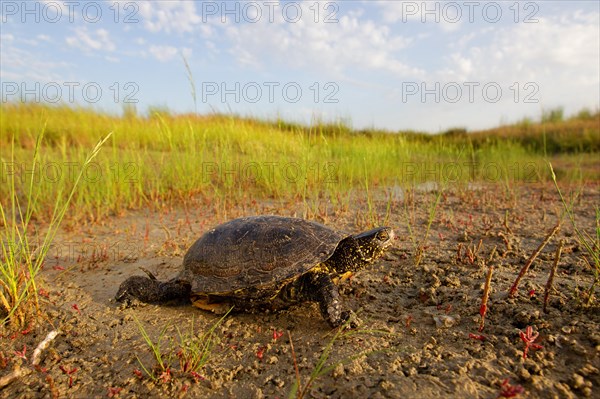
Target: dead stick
<point x="484" y="299"/>
<point x="491" y="258"/>
<point x="533" y="257"/>
<point x="18" y="371"/>
<point x="552" y="273"/>
<point x="478" y="246"/>
<point x="42" y="346"/>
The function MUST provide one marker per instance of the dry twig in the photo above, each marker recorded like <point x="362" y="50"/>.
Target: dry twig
<point x="533" y="257"/>
<point x="552" y="273"/>
<point x="484" y="299"/>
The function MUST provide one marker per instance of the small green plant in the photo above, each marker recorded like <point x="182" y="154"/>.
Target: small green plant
<point x="298" y="390"/>
<point x="191" y="351"/>
<point x="163" y="361"/>
<point x="373" y="214"/>
<point x="420" y="246"/>
<point x="24" y="247"/>
<point x="190" y="78"/>
<point x="194" y="352"/>
<point x="589" y="243"/>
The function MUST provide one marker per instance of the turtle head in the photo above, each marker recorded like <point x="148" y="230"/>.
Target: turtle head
<point x="358" y="251"/>
<point x="150" y="290"/>
<point x="373" y="243"/>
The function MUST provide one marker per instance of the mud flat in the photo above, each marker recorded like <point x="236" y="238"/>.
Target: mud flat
<point x="420" y="335"/>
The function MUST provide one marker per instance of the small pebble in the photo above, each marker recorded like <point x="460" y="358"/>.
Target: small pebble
<point x="577" y="381"/>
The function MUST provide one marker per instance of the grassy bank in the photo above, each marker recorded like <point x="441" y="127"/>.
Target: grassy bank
<point x="165" y="158"/>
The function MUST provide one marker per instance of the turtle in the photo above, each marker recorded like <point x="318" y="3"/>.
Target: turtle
<point x="267" y="263"/>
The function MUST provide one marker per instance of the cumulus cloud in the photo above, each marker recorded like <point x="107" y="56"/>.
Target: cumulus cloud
<point x="448" y="16"/>
<point x="334" y="48"/>
<point x="566" y="45"/>
<point x="6" y="38"/>
<point x="56" y="7"/>
<point x="169" y="16"/>
<point x="167" y="53"/>
<point x="98" y="40"/>
<point x="553" y="62"/>
<point x="20" y="65"/>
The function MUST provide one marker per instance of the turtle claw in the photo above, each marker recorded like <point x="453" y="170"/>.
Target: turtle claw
<point x="128" y="302"/>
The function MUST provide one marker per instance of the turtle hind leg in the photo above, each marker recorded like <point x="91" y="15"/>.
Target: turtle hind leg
<point x="318" y="287"/>
<point x="215" y="304"/>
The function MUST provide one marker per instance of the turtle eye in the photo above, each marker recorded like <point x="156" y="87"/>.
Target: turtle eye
<point x="383" y="236"/>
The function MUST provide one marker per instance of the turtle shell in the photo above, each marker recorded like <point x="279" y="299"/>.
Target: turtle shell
<point x="256" y="251"/>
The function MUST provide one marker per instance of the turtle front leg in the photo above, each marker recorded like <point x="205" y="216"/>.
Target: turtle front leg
<point x="318" y="287"/>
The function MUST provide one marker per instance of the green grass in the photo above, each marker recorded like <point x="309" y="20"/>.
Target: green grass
<point x="591" y="244"/>
<point x="321" y="368"/>
<point x="191" y="351"/>
<point x="420" y="246"/>
<point x="164" y="159"/>
<point x="163" y="360"/>
<point x="24" y="245"/>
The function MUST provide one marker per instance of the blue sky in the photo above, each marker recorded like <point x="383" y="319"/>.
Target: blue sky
<point x="385" y="64"/>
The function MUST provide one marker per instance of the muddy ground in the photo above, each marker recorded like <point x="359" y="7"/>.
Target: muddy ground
<point x="419" y="335"/>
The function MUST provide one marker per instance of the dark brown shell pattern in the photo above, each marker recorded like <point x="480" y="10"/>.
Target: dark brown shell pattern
<point x="257" y="251"/>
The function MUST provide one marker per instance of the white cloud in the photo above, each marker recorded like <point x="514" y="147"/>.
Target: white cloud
<point x="6" y="38"/>
<point x="207" y="31"/>
<point x="53" y="7"/>
<point x="332" y="48"/>
<point x="175" y="15"/>
<point x="112" y="59"/>
<point x="21" y="65"/>
<point x="98" y="40"/>
<point x="167" y="53"/>
<point x="540" y="65"/>
<point x="20" y="39"/>
<point x="447" y="15"/>
<point x="163" y="53"/>
<point x="563" y="46"/>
